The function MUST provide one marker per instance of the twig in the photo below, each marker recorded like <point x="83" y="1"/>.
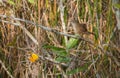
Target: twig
<point x="29" y="34"/>
<point x="3" y="66"/>
<point x="41" y="26"/>
<point x="47" y="29"/>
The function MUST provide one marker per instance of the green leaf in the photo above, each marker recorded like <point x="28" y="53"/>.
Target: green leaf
<point x="62" y="59"/>
<point x="57" y="50"/>
<point x="31" y="1"/>
<point x="61" y="53"/>
<point x="72" y="43"/>
<point x="73" y="71"/>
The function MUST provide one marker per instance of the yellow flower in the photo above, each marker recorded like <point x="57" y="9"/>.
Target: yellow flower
<point x="34" y="57"/>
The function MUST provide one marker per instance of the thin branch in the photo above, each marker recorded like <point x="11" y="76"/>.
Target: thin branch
<point x="47" y="29"/>
<point x="29" y="34"/>
<point x="3" y="66"/>
<point x="43" y="27"/>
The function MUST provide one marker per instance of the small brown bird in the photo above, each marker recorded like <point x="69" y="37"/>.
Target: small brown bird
<point x="80" y="28"/>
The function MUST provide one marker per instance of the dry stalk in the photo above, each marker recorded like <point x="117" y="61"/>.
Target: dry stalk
<point x="3" y="66"/>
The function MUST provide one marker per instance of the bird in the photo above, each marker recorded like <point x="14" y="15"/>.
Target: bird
<point x="80" y="28"/>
